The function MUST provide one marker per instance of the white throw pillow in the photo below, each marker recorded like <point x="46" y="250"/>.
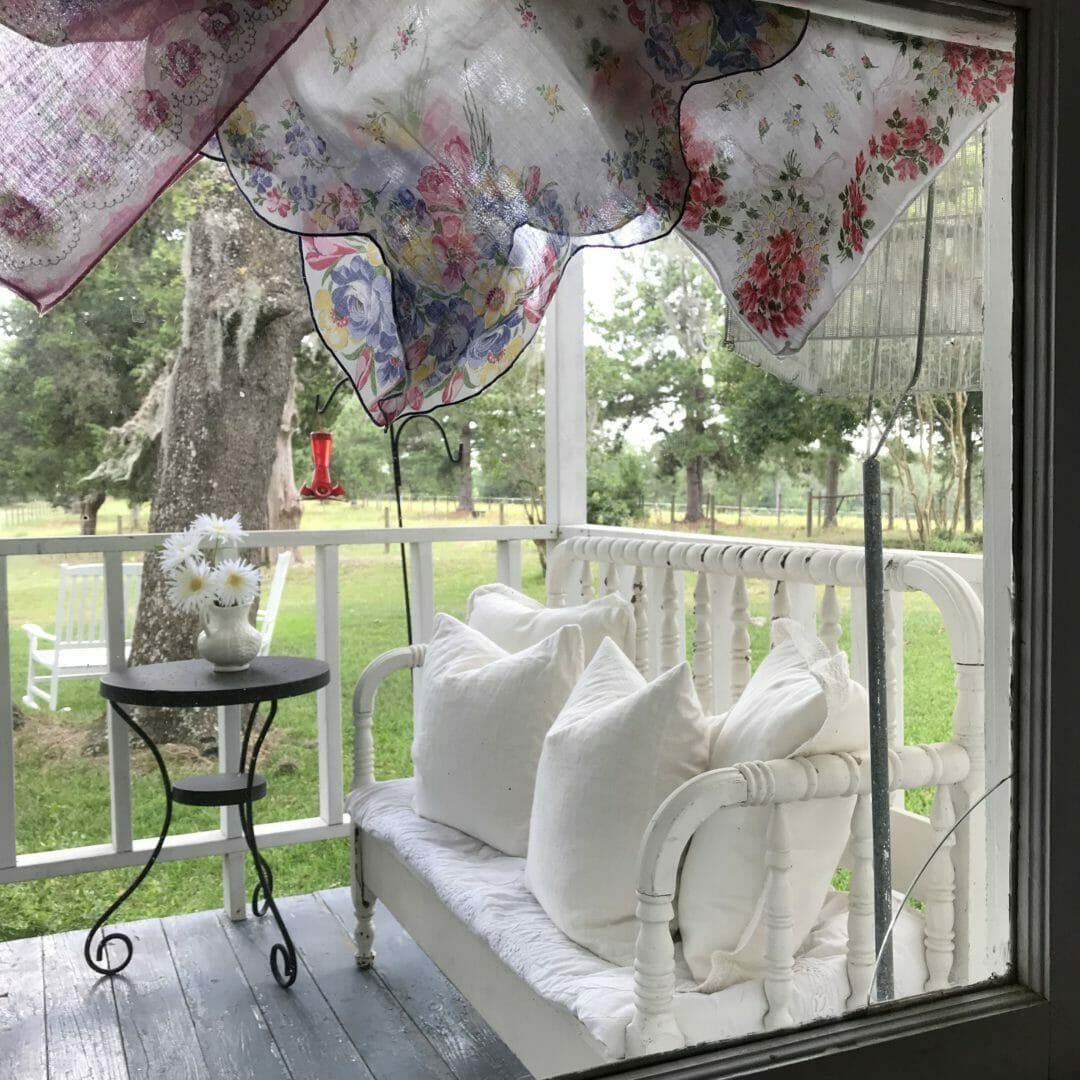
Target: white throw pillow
<point x="516" y="621"/>
<point x="480" y="721"/>
<point x="619" y="747"/>
<point x="799" y="701"/>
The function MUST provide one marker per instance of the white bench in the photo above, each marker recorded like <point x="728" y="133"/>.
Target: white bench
<point x="437" y="881"/>
<point x="78" y="647"/>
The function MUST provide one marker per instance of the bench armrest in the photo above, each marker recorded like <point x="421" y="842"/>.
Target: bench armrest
<point x="367" y="687"/>
<point x="772" y="783"/>
<point x="36" y="633"/>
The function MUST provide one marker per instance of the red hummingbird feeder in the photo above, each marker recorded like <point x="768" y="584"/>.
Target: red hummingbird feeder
<point x="322" y="487"/>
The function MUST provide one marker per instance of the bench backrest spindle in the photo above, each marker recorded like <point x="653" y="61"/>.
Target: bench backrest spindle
<point x="954" y="888"/>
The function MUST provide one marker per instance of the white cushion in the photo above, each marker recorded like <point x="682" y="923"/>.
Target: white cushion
<point x="486" y="891"/>
<point x="799" y="701"/>
<point x="619" y="747"/>
<point x="516" y="621"/>
<point x="480" y="721"/>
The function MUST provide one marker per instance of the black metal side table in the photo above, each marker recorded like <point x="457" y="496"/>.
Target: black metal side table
<point x="191" y="684"/>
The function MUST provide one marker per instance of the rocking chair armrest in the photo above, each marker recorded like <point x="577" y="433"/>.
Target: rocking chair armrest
<point x="367" y="687"/>
<point x="36" y="633"/>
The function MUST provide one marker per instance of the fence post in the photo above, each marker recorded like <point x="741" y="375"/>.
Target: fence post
<point x="386" y="525"/>
<point x="740" y="509"/>
<point x="502" y="512"/>
<point x="810" y="512"/>
<point x="712" y="514"/>
<point x="892" y="518"/>
<point x="779" y="506"/>
<point x="672" y="509"/>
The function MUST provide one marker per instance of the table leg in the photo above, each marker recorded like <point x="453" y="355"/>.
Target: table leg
<point x="285" y="949"/>
<point x="259" y="906"/>
<point x="94" y="958"/>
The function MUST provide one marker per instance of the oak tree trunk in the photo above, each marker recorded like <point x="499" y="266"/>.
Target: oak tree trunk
<point x="465" y="479"/>
<point x="244" y="317"/>
<point x="695" y="469"/>
<point x="284" y="505"/>
<point x="90" y="502"/>
<point x="832" y="491"/>
<point x="969" y="468"/>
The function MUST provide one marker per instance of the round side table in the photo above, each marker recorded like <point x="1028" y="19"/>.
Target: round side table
<point x="191" y="684"/>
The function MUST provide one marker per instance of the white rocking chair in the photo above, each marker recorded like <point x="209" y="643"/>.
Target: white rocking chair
<point x="78" y="647"/>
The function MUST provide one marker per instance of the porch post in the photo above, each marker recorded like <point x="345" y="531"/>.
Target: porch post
<point x="566" y="436"/>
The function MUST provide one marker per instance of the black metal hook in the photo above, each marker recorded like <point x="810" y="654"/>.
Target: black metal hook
<point x="320" y="405"/>
<point x="395" y="428"/>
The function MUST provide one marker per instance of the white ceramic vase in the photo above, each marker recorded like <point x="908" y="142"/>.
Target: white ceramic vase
<point x="228" y="640"/>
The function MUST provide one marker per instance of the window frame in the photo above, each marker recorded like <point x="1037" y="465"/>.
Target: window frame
<point x="1026" y="1026"/>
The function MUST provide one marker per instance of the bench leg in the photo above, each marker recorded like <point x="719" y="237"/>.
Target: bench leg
<point x="364" y="906"/>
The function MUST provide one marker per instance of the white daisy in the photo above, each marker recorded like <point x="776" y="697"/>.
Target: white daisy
<point x="219" y="530"/>
<point x="190" y="586"/>
<point x="177" y="549"/>
<point x="235" y="582"/>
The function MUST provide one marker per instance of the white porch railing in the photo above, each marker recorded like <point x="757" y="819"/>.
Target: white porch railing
<point x="124" y="849"/>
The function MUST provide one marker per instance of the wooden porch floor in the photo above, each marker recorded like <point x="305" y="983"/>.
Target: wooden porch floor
<point x="198" y="1002"/>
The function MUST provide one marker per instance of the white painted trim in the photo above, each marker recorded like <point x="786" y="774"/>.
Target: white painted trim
<point x="421" y="591"/>
<point x="508" y="563"/>
<point x="119" y="749"/>
<point x="74" y="545"/>
<point x="565" y="433"/>
<point x="968" y="567"/>
<point x="7" y="731"/>
<point x="230" y="720"/>
<point x="50" y="864"/>
<point x="328" y="700"/>
<point x="998" y="591"/>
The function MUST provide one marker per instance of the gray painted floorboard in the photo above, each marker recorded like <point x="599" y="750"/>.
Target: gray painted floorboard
<point x="22" y="1010"/>
<point x="158" y="1032"/>
<point x="465" y="1042"/>
<point x="80" y="1014"/>
<point x="198" y="1002"/>
<point x="304" y="1025"/>
<point x="393" y="1047"/>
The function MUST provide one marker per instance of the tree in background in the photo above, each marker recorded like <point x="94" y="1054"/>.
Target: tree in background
<point x="67" y="378"/>
<point x="933" y="454"/>
<point x="663" y="346"/>
<point x="768" y="418"/>
<point x="663" y="358"/>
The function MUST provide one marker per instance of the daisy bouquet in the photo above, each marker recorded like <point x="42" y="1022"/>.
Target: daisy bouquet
<point x="203" y="568"/>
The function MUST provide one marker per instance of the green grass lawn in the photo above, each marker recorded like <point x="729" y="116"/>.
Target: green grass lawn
<point x="62" y="793"/>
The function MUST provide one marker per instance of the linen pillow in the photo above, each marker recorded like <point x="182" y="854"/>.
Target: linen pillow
<point x="516" y="621"/>
<point x="799" y="701"/>
<point x="619" y="747"/>
<point x="480" y="721"/>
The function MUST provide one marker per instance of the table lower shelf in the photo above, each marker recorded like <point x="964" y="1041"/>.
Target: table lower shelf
<point x="217" y="789"/>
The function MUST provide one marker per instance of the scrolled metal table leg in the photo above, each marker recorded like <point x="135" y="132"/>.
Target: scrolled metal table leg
<point x="259" y="906"/>
<point x="284" y="952"/>
<point x="94" y="957"/>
